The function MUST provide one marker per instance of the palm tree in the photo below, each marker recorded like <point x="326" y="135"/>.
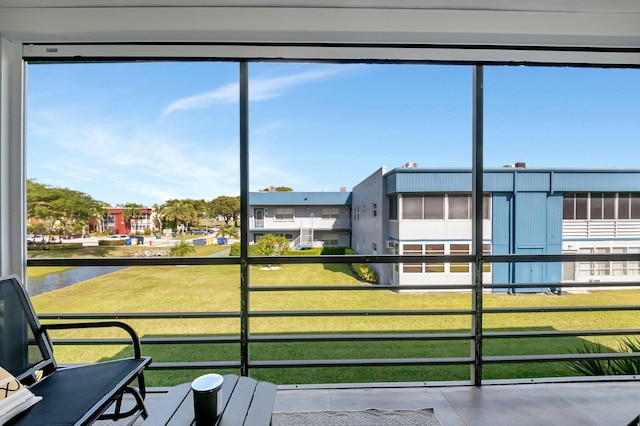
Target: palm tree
<point x="179" y="211"/>
<point x="227" y="231"/>
<point x="131" y="211"/>
<point x="158" y="216"/>
<point x="182" y="249"/>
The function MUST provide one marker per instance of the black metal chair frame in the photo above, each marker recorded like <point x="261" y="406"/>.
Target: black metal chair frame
<point x="21" y="332"/>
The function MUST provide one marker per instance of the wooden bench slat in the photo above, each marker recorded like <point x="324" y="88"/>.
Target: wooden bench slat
<point x="236" y="410"/>
<point x="184" y="414"/>
<point x="176" y="395"/>
<point x="262" y="405"/>
<point x="228" y="386"/>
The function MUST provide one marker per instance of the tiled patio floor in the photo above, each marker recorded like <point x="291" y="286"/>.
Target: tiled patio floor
<point x="584" y="404"/>
<point x="540" y="404"/>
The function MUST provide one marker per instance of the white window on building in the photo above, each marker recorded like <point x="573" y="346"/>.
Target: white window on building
<point x="600" y="206"/>
<point x="486" y="249"/>
<point x="602" y="267"/>
<point x="434" y="249"/>
<point x="409" y="250"/>
<point x="459" y="267"/>
<point x="283" y="214"/>
<point x="393" y="207"/>
<point x="486" y="207"/>
<point x="618" y="267"/>
<point x="584" y="268"/>
<point x="633" y="266"/>
<point x="434" y="207"/>
<point x="412" y="207"/>
<point x="374" y="209"/>
<point x="330" y="212"/>
<point x="459" y="206"/>
<point x="330" y="239"/>
<point x="605" y="268"/>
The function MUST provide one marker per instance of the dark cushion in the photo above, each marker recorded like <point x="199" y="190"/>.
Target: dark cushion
<point x="79" y="393"/>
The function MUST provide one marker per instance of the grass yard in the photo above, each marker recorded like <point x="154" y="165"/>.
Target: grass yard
<point x="216" y="288"/>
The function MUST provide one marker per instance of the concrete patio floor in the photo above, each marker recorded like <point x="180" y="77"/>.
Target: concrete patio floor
<point x="565" y="404"/>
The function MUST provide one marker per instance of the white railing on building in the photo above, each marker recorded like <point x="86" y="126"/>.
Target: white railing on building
<point x="302" y="223"/>
<point x="576" y="229"/>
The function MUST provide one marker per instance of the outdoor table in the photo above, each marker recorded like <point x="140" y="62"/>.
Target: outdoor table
<point x="244" y="401"/>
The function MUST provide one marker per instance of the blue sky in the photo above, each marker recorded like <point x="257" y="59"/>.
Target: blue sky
<point x="148" y="132"/>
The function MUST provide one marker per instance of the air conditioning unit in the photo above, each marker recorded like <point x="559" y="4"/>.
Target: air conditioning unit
<point x="391" y="244"/>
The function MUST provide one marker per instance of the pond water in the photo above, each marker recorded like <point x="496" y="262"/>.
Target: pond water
<point x="56" y="280"/>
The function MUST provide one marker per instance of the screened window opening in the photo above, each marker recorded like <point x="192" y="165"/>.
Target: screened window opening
<point x="283" y="213"/>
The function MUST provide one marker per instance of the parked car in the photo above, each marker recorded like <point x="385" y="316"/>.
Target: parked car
<point x="118" y="237"/>
<point x="198" y="232"/>
<point x="33" y="239"/>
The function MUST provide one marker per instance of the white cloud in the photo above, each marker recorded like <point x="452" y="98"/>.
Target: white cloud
<point x="260" y="89"/>
<point x="119" y="164"/>
<point x="223" y="95"/>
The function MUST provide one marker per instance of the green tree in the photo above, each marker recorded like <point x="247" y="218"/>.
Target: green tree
<point x="227" y="231"/>
<point x="130" y="213"/>
<point x="279" y="189"/>
<point x="178" y="211"/>
<point x="182" y="249"/>
<point x="201" y="208"/>
<point x="271" y="245"/>
<point x="61" y="210"/>
<point x="227" y="207"/>
<point x="157" y="217"/>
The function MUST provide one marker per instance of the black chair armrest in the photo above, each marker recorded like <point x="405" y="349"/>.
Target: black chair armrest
<point x="101" y="324"/>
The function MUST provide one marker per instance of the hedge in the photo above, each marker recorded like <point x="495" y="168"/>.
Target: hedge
<point x="111" y="243"/>
<point x="364" y="271"/>
<point x="235" y="250"/>
<point x="52" y="247"/>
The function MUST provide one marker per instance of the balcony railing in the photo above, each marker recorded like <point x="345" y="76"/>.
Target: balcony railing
<point x="300" y="223"/>
<point x="477" y="335"/>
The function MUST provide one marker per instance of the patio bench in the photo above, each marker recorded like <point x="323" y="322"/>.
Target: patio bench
<point x="76" y="395"/>
<point x="244" y="401"/>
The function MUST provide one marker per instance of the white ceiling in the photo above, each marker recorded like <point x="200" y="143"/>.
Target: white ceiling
<point x="617" y="6"/>
<point x="565" y="24"/>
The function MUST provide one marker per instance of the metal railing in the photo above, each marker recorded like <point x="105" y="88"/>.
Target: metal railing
<point x="476" y="336"/>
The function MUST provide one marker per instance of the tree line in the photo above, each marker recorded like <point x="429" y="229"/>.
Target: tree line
<point x="61" y="211"/>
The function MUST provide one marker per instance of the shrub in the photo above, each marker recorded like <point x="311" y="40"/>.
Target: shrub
<point x="182" y="249"/>
<point x="52" y="247"/>
<point x="271" y="245"/>
<point x="607" y="367"/>
<point x="335" y="251"/>
<point x="111" y="243"/>
<point x="365" y="272"/>
<point x="235" y="250"/>
<point x="316" y="251"/>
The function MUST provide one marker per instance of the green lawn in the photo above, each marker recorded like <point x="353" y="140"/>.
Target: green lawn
<point x="216" y="288"/>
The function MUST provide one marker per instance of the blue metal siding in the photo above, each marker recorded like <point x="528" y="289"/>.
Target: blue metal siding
<point x="498" y="182"/>
<point x="553" y="273"/>
<point x="530" y="236"/>
<point x="433" y="182"/>
<point x="502" y="180"/>
<point x="554" y="224"/>
<point x="530" y="219"/>
<point x="501" y="235"/>
<point x="594" y="181"/>
<point x="532" y="182"/>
